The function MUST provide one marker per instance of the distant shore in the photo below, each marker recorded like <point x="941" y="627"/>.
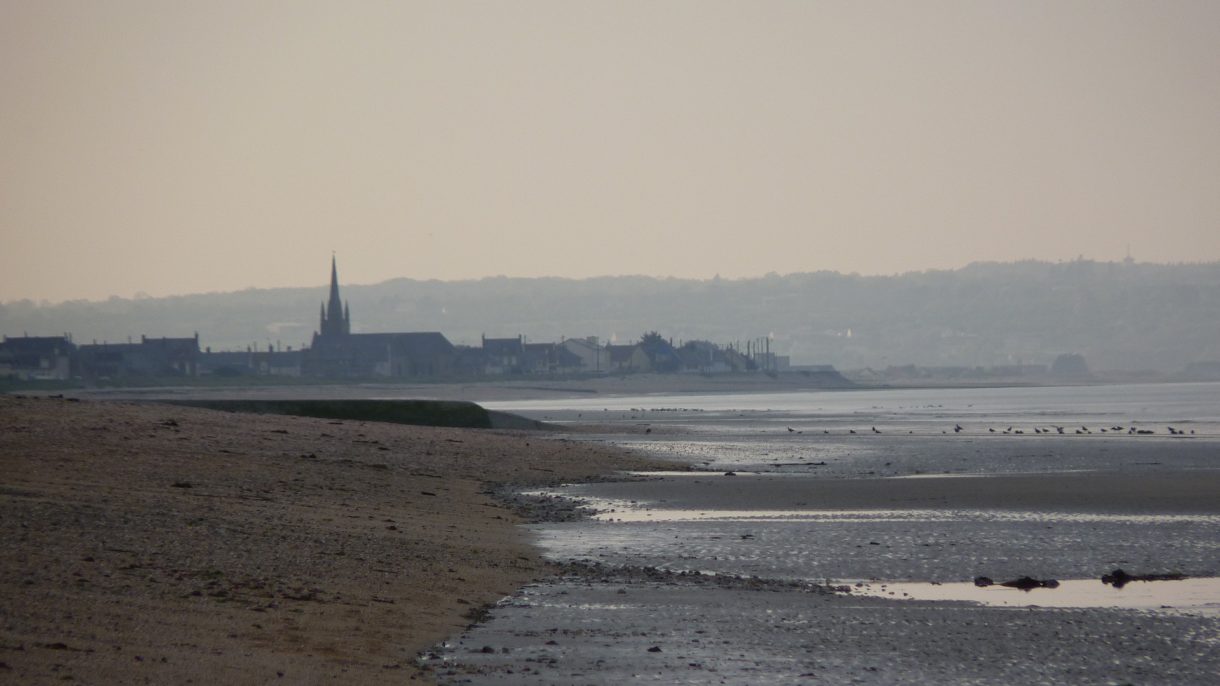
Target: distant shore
<point x="538" y="388"/>
<point x="182" y="545"/>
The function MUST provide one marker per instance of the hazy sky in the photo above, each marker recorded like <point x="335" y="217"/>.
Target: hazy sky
<point x="177" y="147"/>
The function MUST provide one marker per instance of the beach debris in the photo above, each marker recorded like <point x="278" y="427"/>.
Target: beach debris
<point x="1027" y="583"/>
<point x="655" y="649"/>
<point x="1118" y="578"/>
<point x="730" y="473"/>
<point x="1024" y="583"/>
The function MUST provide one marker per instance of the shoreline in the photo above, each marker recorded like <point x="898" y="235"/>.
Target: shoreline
<point x="183" y="545"/>
<point x="543" y="389"/>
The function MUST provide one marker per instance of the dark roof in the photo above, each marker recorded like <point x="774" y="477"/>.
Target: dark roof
<point x="40" y="345"/>
<point x="502" y="346"/>
<point x="425" y="343"/>
<point x="179" y="345"/>
<point x="109" y="347"/>
<point x="621" y="353"/>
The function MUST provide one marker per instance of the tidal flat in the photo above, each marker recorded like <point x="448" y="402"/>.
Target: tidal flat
<point x="836" y="538"/>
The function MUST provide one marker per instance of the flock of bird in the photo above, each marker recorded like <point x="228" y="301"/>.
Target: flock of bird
<point x="1054" y="429"/>
<point x="1130" y="430"/>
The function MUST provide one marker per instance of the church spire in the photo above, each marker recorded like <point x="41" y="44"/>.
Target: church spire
<point x="335" y="307"/>
<point x="335" y="317"/>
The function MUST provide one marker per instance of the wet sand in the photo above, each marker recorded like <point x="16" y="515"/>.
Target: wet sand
<point x="707" y="578"/>
<point x="619" y="631"/>
<point x="157" y="544"/>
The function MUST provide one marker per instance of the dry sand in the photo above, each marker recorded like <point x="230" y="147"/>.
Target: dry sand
<point x="159" y="544"/>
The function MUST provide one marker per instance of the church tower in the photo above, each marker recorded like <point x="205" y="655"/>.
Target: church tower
<point x="336" y="319"/>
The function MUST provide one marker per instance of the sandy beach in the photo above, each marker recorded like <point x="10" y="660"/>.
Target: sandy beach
<point x="155" y="544"/>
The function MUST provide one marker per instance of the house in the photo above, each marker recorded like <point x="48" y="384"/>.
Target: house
<point x="228" y="363"/>
<point x="594" y="358"/>
<point x="150" y="357"/>
<point x="549" y="358"/>
<point x="628" y="358"/>
<point x="503" y="356"/>
<point x="172" y="356"/>
<point x="468" y="361"/>
<point x="280" y="362"/>
<point x="37" y="357"/>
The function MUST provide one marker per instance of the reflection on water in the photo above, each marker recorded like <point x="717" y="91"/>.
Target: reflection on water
<point x="1150" y="405"/>
<point x="609" y="510"/>
<point x="1198" y="596"/>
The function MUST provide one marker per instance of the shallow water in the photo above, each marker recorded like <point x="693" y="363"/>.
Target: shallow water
<point x="1196" y="596"/>
<point x="916" y="617"/>
<point x="1154" y="406"/>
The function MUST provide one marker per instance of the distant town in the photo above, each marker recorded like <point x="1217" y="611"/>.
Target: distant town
<point x="337" y="353"/>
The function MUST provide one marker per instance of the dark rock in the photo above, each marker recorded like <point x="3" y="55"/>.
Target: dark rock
<point x="655" y="649"/>
<point x="1028" y="583"/>
<point x="1118" y="578"/>
<point x="983" y="581"/>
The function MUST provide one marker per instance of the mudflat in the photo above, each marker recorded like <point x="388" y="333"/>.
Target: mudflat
<point x="1192" y="491"/>
<point x="164" y="544"/>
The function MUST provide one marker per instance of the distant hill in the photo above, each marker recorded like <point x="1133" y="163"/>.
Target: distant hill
<point x="1119" y="316"/>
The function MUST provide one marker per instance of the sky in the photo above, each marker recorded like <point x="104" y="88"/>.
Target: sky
<point x="157" y="148"/>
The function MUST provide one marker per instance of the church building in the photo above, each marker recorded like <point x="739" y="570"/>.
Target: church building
<point x="336" y="352"/>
